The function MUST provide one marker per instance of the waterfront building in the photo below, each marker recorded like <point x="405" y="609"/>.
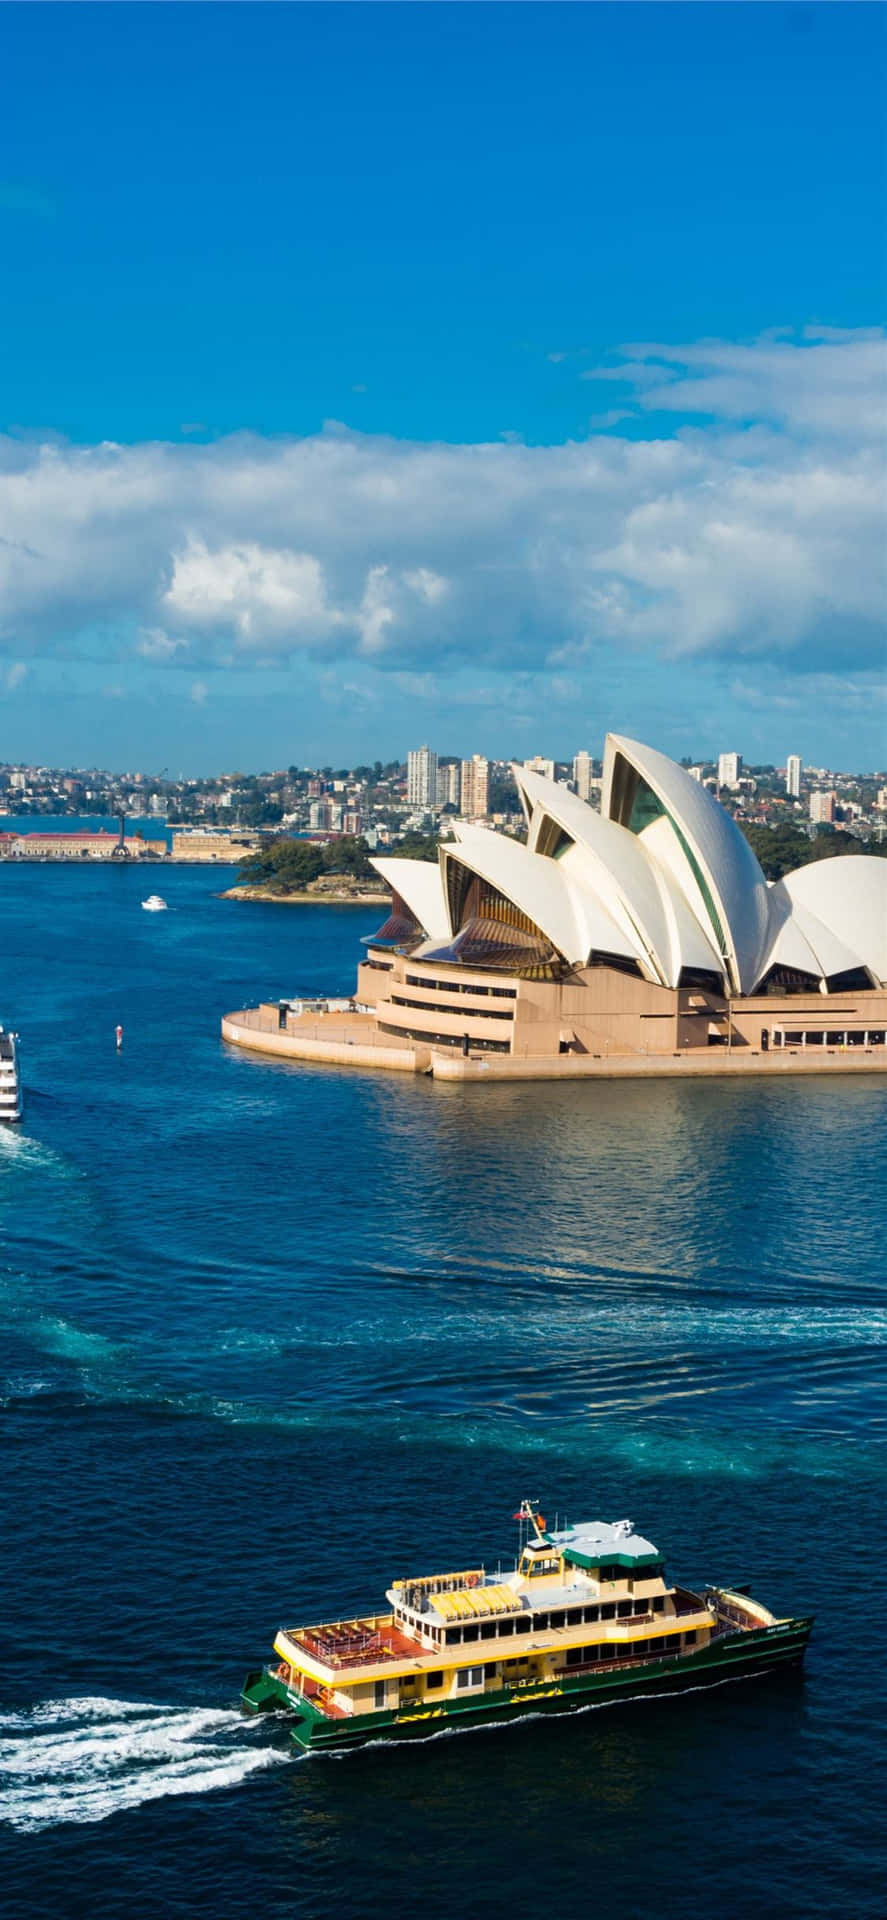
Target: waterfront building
<point x="640" y="939"/>
<point x="474" y="788"/>
<point x="80" y="846"/>
<point x="794" y="767"/>
<point x="422" y="779"/>
<point x="729" y="770"/>
<point x="212" y="845"/>
<point x="822" y="806"/>
<point x="582" y="775"/>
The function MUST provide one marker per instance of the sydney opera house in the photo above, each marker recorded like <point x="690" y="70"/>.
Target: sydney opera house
<point x="641" y="938"/>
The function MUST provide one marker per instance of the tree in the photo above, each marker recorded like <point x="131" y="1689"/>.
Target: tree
<point x="417" y="846"/>
<point x="781" y="849"/>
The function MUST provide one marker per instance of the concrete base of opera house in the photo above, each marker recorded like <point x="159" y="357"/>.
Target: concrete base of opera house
<point x="351" y="1038"/>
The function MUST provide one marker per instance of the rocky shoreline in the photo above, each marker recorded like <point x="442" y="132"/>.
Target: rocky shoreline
<point x="311" y="896"/>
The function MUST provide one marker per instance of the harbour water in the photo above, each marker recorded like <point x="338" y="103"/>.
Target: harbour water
<point x="272" y="1334"/>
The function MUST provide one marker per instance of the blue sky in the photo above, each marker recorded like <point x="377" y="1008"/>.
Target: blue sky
<point x="489" y="375"/>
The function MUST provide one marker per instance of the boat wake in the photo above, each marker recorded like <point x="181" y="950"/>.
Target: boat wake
<point x="82" y="1760"/>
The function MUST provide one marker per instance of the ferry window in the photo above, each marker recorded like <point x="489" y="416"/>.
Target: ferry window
<point x="659" y="1603"/>
<point x="490" y="1670"/>
<point x="379" y="1693"/>
<point x="815" y="1039"/>
<point x="574" y="1616"/>
<point x="690" y="1637"/>
<point x="792" y="1040"/>
<point x="523" y="1626"/>
<point x="624" y="1608"/>
<point x="609" y="1611"/>
<point x="540" y="1622"/>
<point x="433" y="1680"/>
<point x="640" y="1606"/>
<point x="835" y="1039"/>
<point x="469" y="1633"/>
<point x="555" y="1619"/>
<point x="657" y="1646"/>
<point x="506" y="1626"/>
<point x="575" y="1656"/>
<point x="592" y="1613"/>
<point x="470" y="1677"/>
<point x="488" y="1630"/>
<point x="454" y="1635"/>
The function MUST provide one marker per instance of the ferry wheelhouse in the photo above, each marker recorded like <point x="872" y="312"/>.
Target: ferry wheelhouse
<point x="586" y="1616"/>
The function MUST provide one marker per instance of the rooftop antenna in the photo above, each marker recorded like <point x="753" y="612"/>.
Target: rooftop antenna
<point x="528" y="1516"/>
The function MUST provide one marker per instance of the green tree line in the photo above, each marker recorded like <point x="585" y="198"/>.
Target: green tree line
<point x="289" y="866"/>
<point x="781" y="849"/>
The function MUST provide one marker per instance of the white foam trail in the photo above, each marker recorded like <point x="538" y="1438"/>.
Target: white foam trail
<point x="84" y="1759"/>
<point x="25" y="1150"/>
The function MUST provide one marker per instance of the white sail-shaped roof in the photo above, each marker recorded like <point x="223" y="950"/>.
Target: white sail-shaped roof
<point x="535" y="886"/>
<point x="704" y="850"/>
<point x="420" y="886"/>
<point x="612" y="865"/>
<point x="847" y="893"/>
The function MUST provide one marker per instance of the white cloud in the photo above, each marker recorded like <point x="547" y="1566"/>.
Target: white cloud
<point x="15" y="675"/>
<point x="759" y="534"/>
<point x="831" y="381"/>
<point x="257" y="591"/>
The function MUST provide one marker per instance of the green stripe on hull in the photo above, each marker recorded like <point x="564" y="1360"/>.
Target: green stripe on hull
<point x="734" y="1657"/>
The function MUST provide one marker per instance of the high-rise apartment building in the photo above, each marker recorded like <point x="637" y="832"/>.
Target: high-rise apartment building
<point x="729" y="769"/>
<point x="822" y="806"/>
<point x="793" y="770"/>
<point x="422" y="778"/>
<point x="449" y="783"/>
<point x="538" y="765"/>
<point x="582" y="775"/>
<point x="475" y="788"/>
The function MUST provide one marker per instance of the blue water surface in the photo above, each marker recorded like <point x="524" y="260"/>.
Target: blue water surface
<point x="271" y="1335"/>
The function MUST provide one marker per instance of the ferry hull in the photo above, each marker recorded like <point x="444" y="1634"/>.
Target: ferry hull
<point x="743" y="1655"/>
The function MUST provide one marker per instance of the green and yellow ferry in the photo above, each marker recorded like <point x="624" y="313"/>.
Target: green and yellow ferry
<point x="586" y="1617"/>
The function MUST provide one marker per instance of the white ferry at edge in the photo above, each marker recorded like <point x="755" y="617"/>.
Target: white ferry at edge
<point x="10" y="1084"/>
<point x="155" y="904"/>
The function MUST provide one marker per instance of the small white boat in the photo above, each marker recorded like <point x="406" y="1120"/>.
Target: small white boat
<point x="10" y="1084"/>
<point x="154" y="904"/>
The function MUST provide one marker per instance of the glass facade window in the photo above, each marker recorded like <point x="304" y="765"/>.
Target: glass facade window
<point x="444" y="1006"/>
<point x="478" y="1045"/>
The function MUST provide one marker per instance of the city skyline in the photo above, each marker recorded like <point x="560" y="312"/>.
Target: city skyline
<point x="287" y="466"/>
